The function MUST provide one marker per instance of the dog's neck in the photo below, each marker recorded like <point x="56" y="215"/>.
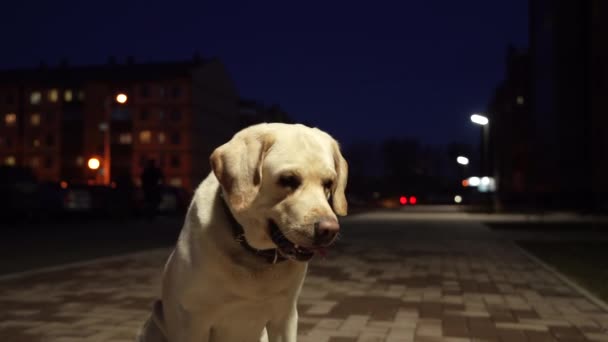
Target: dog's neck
<point x="271" y="256"/>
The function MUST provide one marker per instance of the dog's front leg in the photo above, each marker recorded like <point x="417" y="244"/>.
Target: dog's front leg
<point x="284" y="329"/>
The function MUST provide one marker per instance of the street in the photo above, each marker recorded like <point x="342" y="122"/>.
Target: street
<point x="393" y="276"/>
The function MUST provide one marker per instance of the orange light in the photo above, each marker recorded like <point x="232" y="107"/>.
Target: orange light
<point x="465" y="182"/>
<point x="121" y="98"/>
<point x="403" y="200"/>
<point x="63" y="184"/>
<point x="413" y="200"/>
<point x="93" y="163"/>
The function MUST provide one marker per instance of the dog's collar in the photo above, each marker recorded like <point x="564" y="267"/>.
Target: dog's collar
<point x="271" y="256"/>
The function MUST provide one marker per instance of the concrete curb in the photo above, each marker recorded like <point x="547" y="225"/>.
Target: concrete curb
<point x="17" y="275"/>
<point x="565" y="279"/>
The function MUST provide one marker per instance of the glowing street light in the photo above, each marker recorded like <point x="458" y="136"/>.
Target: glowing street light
<point x="474" y="181"/>
<point x="121" y="98"/>
<point x="462" y="160"/>
<point x="93" y="163"/>
<point x="479" y="119"/>
<point x="457" y="199"/>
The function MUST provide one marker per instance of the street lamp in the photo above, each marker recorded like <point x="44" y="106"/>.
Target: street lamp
<point x="105" y="128"/>
<point x="485" y="123"/>
<point x="462" y="160"/>
<point x="121" y="98"/>
<point x="93" y="163"/>
<point x="479" y="119"/>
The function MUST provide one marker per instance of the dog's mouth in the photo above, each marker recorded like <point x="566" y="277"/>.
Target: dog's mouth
<point x="289" y="249"/>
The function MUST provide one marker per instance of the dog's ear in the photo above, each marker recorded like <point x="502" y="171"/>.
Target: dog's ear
<point x="238" y="166"/>
<point x="339" y="203"/>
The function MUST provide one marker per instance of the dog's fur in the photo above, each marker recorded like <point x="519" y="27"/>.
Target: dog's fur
<point x="215" y="290"/>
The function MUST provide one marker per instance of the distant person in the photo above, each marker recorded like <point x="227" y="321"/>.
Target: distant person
<point x="151" y="180"/>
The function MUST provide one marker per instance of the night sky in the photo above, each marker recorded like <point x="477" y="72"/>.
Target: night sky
<point x="360" y="70"/>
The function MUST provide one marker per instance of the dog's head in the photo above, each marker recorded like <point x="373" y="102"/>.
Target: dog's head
<point x="285" y="185"/>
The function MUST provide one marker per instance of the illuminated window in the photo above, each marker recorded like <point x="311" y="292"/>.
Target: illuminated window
<point x="175" y="138"/>
<point x="36" y="143"/>
<point x="175" y="181"/>
<point x="10" y="161"/>
<point x="145" y="137"/>
<point x="161" y="138"/>
<point x="10" y="119"/>
<point x="520" y="100"/>
<point x="79" y="161"/>
<point x="35" y="119"/>
<point x="125" y="138"/>
<point x="68" y="95"/>
<point x="35" y="97"/>
<point x="175" y="162"/>
<point x="53" y="95"/>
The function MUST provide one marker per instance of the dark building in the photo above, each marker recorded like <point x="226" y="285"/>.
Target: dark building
<point x="511" y="131"/>
<point x="55" y="119"/>
<point x="253" y="112"/>
<point x="563" y="161"/>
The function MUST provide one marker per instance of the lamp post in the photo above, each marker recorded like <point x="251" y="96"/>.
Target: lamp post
<point x="484" y="166"/>
<point x="485" y="123"/>
<point x="105" y="127"/>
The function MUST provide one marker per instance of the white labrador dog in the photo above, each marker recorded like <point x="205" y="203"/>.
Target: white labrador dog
<point x="269" y="205"/>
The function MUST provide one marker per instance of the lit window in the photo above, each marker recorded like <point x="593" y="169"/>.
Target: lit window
<point x="35" y="162"/>
<point x="79" y="161"/>
<point x="10" y="161"/>
<point x="519" y="100"/>
<point x="35" y="97"/>
<point x="10" y="119"/>
<point x="145" y="137"/>
<point x="53" y="95"/>
<point x="176" y="181"/>
<point x="125" y="138"/>
<point x="161" y="138"/>
<point x="36" y="142"/>
<point x="35" y="119"/>
<point x="68" y="95"/>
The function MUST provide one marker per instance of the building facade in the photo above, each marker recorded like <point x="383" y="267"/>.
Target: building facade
<point x="551" y="150"/>
<point x="55" y="119"/>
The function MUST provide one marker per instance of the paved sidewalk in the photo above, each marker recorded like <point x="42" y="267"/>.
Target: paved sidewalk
<point x="415" y="291"/>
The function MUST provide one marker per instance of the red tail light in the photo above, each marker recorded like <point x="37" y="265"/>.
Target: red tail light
<point x="413" y="200"/>
<point x="403" y="200"/>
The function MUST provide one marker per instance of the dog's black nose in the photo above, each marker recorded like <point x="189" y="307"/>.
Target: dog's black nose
<point x="326" y="231"/>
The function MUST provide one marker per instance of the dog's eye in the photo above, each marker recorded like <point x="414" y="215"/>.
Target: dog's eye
<point x="290" y="181"/>
<point x="328" y="184"/>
